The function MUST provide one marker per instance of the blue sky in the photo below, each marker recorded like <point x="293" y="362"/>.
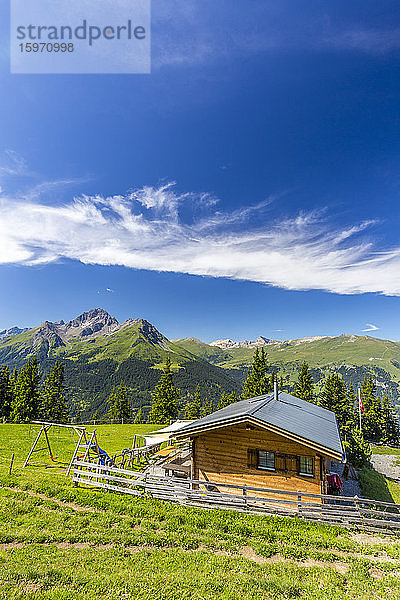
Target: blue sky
<point x="249" y="186"/>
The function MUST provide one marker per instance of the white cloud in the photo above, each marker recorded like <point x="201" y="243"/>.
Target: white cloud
<point x="106" y="291"/>
<point x="144" y="230"/>
<point x="370" y="327"/>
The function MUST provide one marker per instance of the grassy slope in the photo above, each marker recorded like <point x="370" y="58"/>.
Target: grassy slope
<point x="119" y="347"/>
<point x="355" y="350"/>
<point x="60" y="542"/>
<point x="375" y="486"/>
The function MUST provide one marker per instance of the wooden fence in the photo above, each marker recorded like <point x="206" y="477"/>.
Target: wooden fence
<point x="369" y="515"/>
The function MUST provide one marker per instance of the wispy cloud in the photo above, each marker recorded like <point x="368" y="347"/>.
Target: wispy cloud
<point x="192" y="33"/>
<point x="144" y="229"/>
<point x="370" y="327"/>
<point x="46" y="187"/>
<point x="367" y="40"/>
<point x="12" y="164"/>
<point x="106" y="291"/>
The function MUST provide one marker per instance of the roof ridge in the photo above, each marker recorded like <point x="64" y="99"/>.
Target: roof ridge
<point x="262" y="403"/>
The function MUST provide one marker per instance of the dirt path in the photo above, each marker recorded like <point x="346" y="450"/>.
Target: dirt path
<point x="61" y="503"/>
<point x="247" y="552"/>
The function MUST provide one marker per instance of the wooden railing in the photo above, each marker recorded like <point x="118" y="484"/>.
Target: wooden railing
<point x="370" y="515"/>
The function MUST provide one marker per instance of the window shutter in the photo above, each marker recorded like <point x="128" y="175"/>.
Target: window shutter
<point x="280" y="462"/>
<point x="252" y="458"/>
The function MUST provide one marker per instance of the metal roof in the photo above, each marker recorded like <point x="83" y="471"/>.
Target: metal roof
<point x="289" y="414"/>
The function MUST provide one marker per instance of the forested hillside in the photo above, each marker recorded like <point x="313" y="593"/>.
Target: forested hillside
<point x="98" y="353"/>
<point x="101" y="353"/>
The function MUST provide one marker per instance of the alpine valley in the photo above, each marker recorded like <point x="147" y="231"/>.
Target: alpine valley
<point x="98" y="352"/>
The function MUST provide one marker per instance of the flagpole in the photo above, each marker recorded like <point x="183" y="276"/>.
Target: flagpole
<point x="359" y="407"/>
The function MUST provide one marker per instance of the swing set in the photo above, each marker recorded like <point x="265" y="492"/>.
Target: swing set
<point x="87" y="442"/>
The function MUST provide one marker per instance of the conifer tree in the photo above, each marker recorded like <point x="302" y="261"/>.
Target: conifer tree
<point x="53" y="405"/>
<point x="193" y="408"/>
<point x="120" y="408"/>
<point x="258" y="382"/>
<point x="165" y="398"/>
<point x="227" y="399"/>
<point x="206" y="408"/>
<point x="373" y="420"/>
<point x="281" y="384"/>
<point x="13" y="381"/>
<point x="6" y="393"/>
<point x="337" y="398"/>
<point x="304" y="386"/>
<point x="81" y="407"/>
<point x="139" y="416"/>
<point x="26" y="403"/>
<point x="391" y="431"/>
<point x="358" y="451"/>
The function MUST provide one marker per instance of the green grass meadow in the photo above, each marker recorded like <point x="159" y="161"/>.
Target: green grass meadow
<point x="58" y="541"/>
<point x="385" y="450"/>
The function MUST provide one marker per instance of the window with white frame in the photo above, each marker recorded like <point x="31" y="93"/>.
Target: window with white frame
<point x="266" y="460"/>
<point x="306" y="466"/>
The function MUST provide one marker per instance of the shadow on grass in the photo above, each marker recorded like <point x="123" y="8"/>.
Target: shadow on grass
<point x="374" y="485"/>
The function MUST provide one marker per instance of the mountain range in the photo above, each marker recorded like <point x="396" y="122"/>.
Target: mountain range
<point x="97" y="352"/>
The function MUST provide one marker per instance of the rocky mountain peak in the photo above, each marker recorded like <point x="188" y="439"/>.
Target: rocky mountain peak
<point x="12" y="331"/>
<point x="95" y="315"/>
<point x="260" y="341"/>
<point x="47" y="331"/>
<point x="89" y="324"/>
<point x="150" y="332"/>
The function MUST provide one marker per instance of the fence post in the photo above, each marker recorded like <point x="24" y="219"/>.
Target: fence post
<point x="11" y="464"/>
<point x="299" y="503"/>
<point x="245" y="495"/>
<point x="357" y="505"/>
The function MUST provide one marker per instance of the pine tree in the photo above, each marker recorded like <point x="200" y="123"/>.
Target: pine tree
<point x="226" y="400"/>
<point x="193" y="408"/>
<point x="139" y="416"/>
<point x="120" y="408"/>
<point x="25" y="405"/>
<point x="13" y="380"/>
<point x="304" y="386"/>
<point x="258" y="382"/>
<point x="372" y="420"/>
<point x="206" y="408"/>
<point x="337" y="398"/>
<point x="391" y="431"/>
<point x="165" y="398"/>
<point x="81" y="407"/>
<point x="6" y="393"/>
<point x="358" y="451"/>
<point x="53" y="405"/>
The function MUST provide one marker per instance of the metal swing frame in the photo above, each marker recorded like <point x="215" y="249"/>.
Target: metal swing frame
<point x="46" y="425"/>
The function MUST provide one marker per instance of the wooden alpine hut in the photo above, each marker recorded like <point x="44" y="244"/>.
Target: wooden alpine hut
<point x="273" y="441"/>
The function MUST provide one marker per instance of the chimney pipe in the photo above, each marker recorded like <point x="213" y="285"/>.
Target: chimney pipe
<point x="276" y="390"/>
